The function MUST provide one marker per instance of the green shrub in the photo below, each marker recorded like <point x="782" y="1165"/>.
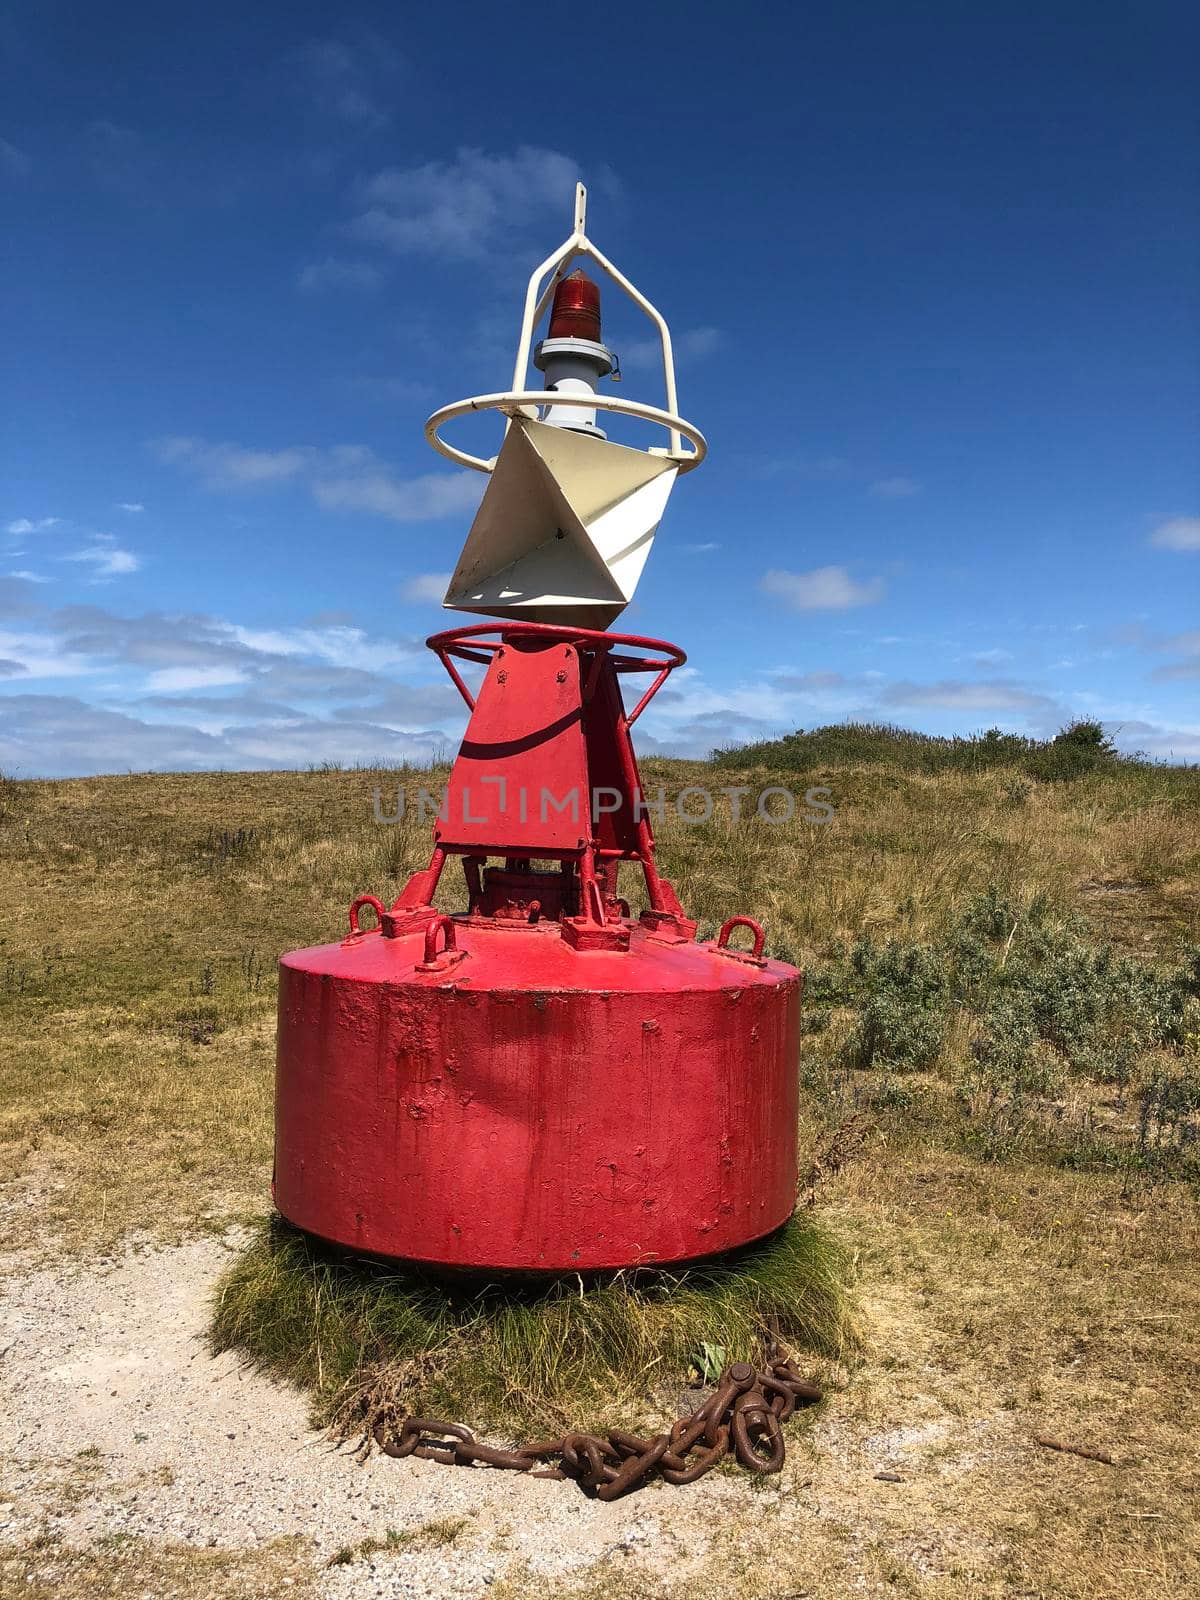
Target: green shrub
<point x="1009" y="1004"/>
<point x="1085" y="736"/>
<point x="1080" y="749"/>
<point x="849" y="744"/>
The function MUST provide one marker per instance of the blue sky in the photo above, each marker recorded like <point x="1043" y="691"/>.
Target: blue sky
<point x="933" y="274"/>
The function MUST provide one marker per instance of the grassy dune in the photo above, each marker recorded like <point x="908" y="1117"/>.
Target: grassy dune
<point x="1002" y="1061"/>
<point x="142" y="915"/>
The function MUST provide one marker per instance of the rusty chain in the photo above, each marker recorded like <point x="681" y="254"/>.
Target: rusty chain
<point x="743" y="1418"/>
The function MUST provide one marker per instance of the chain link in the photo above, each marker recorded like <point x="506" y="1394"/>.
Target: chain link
<point x="743" y="1417"/>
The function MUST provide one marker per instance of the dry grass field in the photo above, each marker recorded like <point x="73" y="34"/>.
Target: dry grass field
<point x="1003" y="1075"/>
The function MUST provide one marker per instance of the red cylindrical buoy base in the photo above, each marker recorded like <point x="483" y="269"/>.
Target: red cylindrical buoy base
<point x="519" y="1103"/>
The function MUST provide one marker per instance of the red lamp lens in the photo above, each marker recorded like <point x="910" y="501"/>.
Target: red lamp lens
<point x="575" y="313"/>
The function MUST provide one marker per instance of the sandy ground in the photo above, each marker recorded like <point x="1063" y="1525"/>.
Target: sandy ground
<point x="117" y="1421"/>
<point x="117" y="1424"/>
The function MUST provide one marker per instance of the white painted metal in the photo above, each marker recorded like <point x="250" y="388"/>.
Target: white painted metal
<point x="564" y="528"/>
<point x="520" y="399"/>
<point x="573" y="366"/>
<point x="557" y="265"/>
<point x="525" y="403"/>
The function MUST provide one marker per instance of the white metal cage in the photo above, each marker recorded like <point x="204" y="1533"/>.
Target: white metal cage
<point x="522" y="401"/>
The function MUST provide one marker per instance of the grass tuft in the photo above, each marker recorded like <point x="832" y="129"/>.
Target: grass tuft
<point x="369" y="1340"/>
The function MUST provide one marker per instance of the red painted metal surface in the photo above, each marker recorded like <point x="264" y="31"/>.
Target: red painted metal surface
<point x="534" y="1106"/>
<point x="544" y="1082"/>
<point x="520" y="783"/>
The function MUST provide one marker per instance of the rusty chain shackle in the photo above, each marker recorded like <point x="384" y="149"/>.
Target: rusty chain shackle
<point x="743" y="1417"/>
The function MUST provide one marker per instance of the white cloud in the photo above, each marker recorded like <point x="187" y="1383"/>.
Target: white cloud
<point x="465" y="207"/>
<point x="17" y="597"/>
<point x="895" y="488"/>
<point x="29" y="577"/>
<point x="427" y="586"/>
<point x="1180" y="533"/>
<point x="696" y="342"/>
<point x="955" y="695"/>
<point x="172" y="692"/>
<point x="320" y="660"/>
<point x="823" y="589"/>
<point x="232" y="466"/>
<point x="43" y="655"/>
<point x="1186" y="644"/>
<point x="421" y="499"/>
<point x="690" y="716"/>
<point x="174" y="680"/>
<point x="263" y="641"/>
<point x="107" y="559"/>
<point x="132" y="506"/>
<point x="702" y="549"/>
<point x="339" y="644"/>
<point x="334" y="274"/>
<point x="50" y="734"/>
<point x="1160" y="743"/>
<point x="345" y="478"/>
<point x="23" y="525"/>
<point x="1178" y="672"/>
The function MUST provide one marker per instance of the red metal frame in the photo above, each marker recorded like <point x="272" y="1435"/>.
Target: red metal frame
<point x="599" y="644"/>
<point x="566" y="720"/>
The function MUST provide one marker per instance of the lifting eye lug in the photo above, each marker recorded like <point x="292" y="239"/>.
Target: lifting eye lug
<point x="376" y="905"/>
<point x="450" y="955"/>
<point x="754" y="956"/>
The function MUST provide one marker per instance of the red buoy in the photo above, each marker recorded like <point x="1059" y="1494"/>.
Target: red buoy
<point x="544" y="1081"/>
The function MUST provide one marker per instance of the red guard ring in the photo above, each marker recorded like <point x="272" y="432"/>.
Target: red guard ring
<point x="471" y="644"/>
